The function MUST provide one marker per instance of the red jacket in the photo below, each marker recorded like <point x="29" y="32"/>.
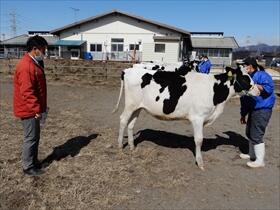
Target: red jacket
<point x="30" y="90"/>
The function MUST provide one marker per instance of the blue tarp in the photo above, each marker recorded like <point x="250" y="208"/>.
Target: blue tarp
<point x="69" y="43"/>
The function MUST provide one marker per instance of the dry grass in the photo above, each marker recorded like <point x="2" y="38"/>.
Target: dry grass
<point x="87" y="171"/>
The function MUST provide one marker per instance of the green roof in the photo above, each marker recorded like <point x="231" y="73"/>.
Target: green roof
<point x="22" y="39"/>
<point x="69" y="42"/>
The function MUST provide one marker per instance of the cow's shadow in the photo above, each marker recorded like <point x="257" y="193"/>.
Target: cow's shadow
<point x="173" y="140"/>
<point x="71" y="147"/>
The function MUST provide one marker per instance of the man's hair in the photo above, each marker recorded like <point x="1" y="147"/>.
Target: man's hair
<point x="35" y="41"/>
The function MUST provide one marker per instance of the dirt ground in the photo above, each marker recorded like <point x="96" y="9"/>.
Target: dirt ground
<point x="88" y="171"/>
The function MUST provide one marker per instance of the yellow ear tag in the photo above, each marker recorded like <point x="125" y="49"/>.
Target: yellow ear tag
<point x="229" y="74"/>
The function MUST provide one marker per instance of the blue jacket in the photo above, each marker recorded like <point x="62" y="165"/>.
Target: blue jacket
<point x="267" y="98"/>
<point x="204" y="67"/>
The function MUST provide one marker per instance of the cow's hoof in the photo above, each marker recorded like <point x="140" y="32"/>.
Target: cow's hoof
<point x="132" y="148"/>
<point x="202" y="168"/>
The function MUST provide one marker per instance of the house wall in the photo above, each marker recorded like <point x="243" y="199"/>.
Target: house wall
<point x="132" y="31"/>
<point x="171" y="52"/>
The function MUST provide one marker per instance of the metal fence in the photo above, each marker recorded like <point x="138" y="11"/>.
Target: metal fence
<point x="113" y="56"/>
<point x="117" y="56"/>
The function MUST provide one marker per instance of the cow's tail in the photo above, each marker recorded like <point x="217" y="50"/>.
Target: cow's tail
<point x="120" y="95"/>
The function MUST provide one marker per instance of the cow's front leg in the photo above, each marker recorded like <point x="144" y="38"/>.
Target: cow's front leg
<point x="123" y="123"/>
<point x="198" y="139"/>
<point x="130" y="126"/>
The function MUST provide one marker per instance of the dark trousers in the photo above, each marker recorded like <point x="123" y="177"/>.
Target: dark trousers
<point x="256" y="125"/>
<point x="31" y="128"/>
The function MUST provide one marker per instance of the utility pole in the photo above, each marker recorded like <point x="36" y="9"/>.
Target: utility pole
<point x="13" y="23"/>
<point x="75" y="10"/>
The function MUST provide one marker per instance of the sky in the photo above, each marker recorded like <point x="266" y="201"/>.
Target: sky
<point x="249" y="21"/>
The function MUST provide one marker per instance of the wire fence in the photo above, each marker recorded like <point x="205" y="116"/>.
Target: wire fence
<point x="101" y="72"/>
<point x="104" y="71"/>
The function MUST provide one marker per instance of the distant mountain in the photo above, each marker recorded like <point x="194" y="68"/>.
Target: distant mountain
<point x="260" y="48"/>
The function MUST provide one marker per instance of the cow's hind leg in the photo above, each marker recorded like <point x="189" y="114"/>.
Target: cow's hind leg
<point x="130" y="126"/>
<point x="125" y="116"/>
<point x="198" y="139"/>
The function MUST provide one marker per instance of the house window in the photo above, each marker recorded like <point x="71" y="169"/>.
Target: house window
<point x="202" y="52"/>
<point x="117" y="45"/>
<point x="132" y="46"/>
<point x="160" y="48"/>
<point x="224" y="52"/>
<point x="96" y="47"/>
<point x="213" y="52"/>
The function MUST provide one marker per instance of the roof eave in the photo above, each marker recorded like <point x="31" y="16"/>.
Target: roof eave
<point x="75" y="24"/>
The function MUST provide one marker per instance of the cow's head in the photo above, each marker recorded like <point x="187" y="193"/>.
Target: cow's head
<point x="241" y="81"/>
<point x="187" y="67"/>
<point x="192" y="64"/>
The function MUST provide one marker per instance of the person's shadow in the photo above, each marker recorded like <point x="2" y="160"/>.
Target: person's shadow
<point x="71" y="147"/>
<point x="173" y="140"/>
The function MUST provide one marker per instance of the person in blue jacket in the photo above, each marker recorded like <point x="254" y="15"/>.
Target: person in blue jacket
<point x="259" y="110"/>
<point x="205" y="65"/>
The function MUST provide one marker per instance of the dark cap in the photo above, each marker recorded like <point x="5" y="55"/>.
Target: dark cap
<point x="250" y="61"/>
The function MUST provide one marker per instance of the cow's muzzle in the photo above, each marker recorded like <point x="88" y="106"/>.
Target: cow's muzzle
<point x="254" y="91"/>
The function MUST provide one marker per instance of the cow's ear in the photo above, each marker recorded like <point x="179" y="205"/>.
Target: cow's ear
<point x="230" y="72"/>
<point x="228" y="69"/>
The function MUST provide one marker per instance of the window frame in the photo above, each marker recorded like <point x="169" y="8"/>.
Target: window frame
<point x="117" y="44"/>
<point x="95" y="45"/>
<point x="131" y="47"/>
<point x="158" y="50"/>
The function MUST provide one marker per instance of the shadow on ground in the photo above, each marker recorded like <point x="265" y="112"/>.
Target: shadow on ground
<point x="173" y="140"/>
<point x="71" y="147"/>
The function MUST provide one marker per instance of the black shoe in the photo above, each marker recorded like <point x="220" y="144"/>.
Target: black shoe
<point x="44" y="164"/>
<point x="33" y="172"/>
<point x="38" y="165"/>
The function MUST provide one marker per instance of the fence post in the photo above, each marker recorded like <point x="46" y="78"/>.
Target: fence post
<point x="106" y="71"/>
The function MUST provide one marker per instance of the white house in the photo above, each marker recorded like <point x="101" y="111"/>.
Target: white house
<point x="116" y="35"/>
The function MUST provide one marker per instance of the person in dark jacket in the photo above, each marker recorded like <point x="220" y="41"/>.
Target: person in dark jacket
<point x="30" y="101"/>
<point x="259" y="110"/>
<point x="205" y="65"/>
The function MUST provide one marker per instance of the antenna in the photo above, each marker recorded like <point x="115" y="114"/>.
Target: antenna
<point x="75" y="10"/>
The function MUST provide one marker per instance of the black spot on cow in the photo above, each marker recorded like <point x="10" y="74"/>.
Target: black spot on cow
<point x="183" y="69"/>
<point x="157" y="98"/>
<point x="221" y="90"/>
<point x="146" y="79"/>
<point x="175" y="83"/>
<point x="155" y="67"/>
<point x="158" y="68"/>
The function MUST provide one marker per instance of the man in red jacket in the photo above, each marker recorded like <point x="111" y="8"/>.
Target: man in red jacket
<point x="30" y="101"/>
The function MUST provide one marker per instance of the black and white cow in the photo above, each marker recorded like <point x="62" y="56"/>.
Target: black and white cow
<point x="179" y="95"/>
